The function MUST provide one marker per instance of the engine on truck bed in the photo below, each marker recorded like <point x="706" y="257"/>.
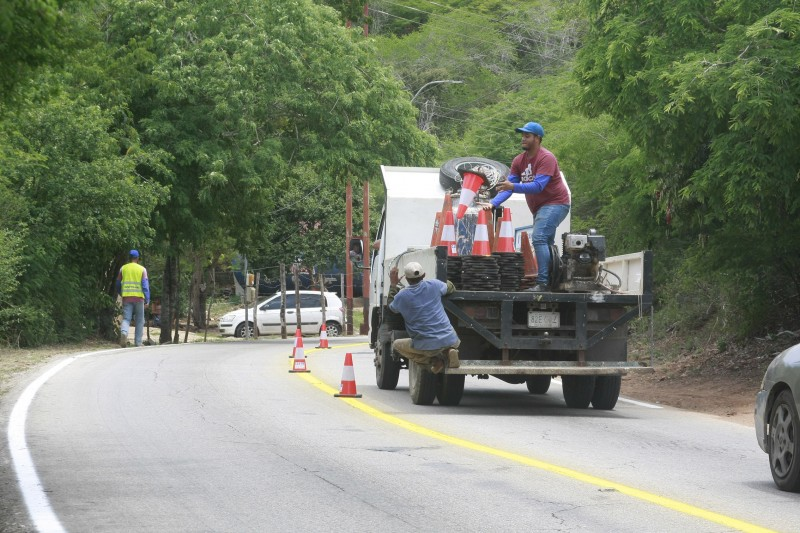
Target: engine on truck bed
<point x="580" y="262"/>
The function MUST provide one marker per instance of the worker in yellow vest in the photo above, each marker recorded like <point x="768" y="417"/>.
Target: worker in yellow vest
<point x="134" y="287"/>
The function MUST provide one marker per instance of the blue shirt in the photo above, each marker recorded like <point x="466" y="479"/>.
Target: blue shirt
<point x="426" y="321"/>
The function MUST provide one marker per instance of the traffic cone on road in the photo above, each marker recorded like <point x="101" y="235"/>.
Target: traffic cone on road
<point x="298" y="335"/>
<point x="348" y="387"/>
<point x="299" y="364"/>
<point x="323" y="337"/>
<point x="480" y="246"/>
<point x="505" y="237"/>
<point x="530" y="267"/>
<point x="470" y="184"/>
<point x="449" y="233"/>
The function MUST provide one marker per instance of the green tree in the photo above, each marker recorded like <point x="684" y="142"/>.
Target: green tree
<point x="248" y="98"/>
<point x="710" y="93"/>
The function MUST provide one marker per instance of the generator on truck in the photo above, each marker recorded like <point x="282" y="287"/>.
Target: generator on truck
<point x="576" y="331"/>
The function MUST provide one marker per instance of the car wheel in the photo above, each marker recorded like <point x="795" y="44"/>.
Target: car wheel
<point x="578" y="390"/>
<point x="538" y="384"/>
<point x="387" y="370"/>
<point x="606" y="392"/>
<point x="784" y="443"/>
<point x="450" y="388"/>
<point x="333" y="329"/>
<point x="422" y="384"/>
<point x="450" y="177"/>
<point x="240" y="330"/>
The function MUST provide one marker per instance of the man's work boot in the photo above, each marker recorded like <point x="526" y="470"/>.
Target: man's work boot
<point x="123" y="340"/>
<point x="438" y="365"/>
<point x="452" y="358"/>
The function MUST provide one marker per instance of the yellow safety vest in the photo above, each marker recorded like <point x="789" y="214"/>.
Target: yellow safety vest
<point x="132" y="274"/>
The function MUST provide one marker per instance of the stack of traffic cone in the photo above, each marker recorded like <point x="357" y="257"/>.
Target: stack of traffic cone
<point x="323" y="337"/>
<point x="298" y="335"/>
<point x="299" y="364"/>
<point x="505" y="237"/>
<point x="348" y="387"/>
<point x="449" y="234"/>
<point x="480" y="245"/>
<point x="470" y="184"/>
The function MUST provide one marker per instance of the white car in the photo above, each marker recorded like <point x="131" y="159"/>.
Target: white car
<point x="269" y="318"/>
<point x="777" y="420"/>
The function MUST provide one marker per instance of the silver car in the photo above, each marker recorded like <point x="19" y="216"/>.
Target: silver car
<point x="777" y="421"/>
<point x="269" y="320"/>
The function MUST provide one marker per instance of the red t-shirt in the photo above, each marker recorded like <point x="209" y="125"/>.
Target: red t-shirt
<point x="544" y="162"/>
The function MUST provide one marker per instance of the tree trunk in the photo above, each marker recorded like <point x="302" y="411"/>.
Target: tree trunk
<point x="198" y="292"/>
<point x="166" y="302"/>
<point x="174" y="290"/>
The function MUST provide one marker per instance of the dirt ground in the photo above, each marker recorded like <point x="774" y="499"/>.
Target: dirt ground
<point x="722" y="381"/>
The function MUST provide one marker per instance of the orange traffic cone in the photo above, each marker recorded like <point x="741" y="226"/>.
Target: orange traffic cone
<point x="297" y="335"/>
<point x="530" y="267"/>
<point x="323" y="337"/>
<point x="299" y="364"/>
<point x="480" y="246"/>
<point x="449" y="234"/>
<point x="505" y="240"/>
<point x="469" y="188"/>
<point x="348" y="388"/>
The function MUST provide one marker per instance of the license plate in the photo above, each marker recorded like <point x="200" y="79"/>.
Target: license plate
<point x="543" y="319"/>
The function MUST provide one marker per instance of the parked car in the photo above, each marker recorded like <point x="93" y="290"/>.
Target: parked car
<point x="269" y="318"/>
<point x="776" y="419"/>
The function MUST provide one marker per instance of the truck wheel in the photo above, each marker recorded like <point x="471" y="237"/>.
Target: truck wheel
<point x="450" y="388"/>
<point x="450" y="178"/>
<point x="606" y="392"/>
<point x="578" y="390"/>
<point x="421" y="384"/>
<point x="387" y="370"/>
<point x="784" y="443"/>
<point x="538" y="384"/>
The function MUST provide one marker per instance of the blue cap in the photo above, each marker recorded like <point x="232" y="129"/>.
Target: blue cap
<point x="134" y="253"/>
<point x="532" y="127"/>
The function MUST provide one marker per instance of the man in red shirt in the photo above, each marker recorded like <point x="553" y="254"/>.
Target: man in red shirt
<point x="535" y="174"/>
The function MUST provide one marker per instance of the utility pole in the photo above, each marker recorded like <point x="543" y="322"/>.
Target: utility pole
<point x="365" y="278"/>
<point x="348" y="223"/>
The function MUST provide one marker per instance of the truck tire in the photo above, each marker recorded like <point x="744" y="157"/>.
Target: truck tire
<point x="606" y="392"/>
<point x="450" y="388"/>
<point x="450" y="178"/>
<point x="538" y="384"/>
<point x="578" y="390"/>
<point x="387" y="370"/>
<point x="421" y="384"/>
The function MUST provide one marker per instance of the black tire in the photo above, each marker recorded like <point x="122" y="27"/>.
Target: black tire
<point x="538" y="384"/>
<point x="333" y="329"/>
<point x="240" y="330"/>
<point x="387" y="370"/>
<point x="556" y="267"/>
<point x="422" y="384"/>
<point x="606" y="392"/>
<point x="450" y="388"/>
<point x="450" y="178"/>
<point x="784" y="443"/>
<point x="578" y="390"/>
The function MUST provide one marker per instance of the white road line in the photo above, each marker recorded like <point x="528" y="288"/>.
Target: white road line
<point x="39" y="509"/>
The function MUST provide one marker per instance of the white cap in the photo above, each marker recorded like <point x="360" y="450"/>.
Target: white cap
<point x="414" y="270"/>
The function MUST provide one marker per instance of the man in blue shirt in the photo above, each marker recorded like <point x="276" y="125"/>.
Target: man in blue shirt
<point x="433" y="341"/>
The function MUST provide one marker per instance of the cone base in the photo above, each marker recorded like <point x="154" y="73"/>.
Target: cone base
<point x="298" y="371"/>
<point x="323" y="347"/>
<point x="347" y="395"/>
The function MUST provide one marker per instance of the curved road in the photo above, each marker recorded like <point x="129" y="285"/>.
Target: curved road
<point x="221" y="437"/>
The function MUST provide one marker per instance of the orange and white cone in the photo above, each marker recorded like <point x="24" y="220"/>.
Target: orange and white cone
<point x="505" y="241"/>
<point x="297" y="335"/>
<point x="449" y="233"/>
<point x="299" y="364"/>
<point x="480" y="246"/>
<point x="323" y="337"/>
<point x="469" y="188"/>
<point x="530" y="267"/>
<point x="348" y="388"/>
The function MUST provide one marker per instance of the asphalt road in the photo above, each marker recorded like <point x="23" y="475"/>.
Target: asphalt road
<point x="221" y="437"/>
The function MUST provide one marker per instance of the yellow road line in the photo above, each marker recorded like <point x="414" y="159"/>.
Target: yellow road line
<point x="662" y="501"/>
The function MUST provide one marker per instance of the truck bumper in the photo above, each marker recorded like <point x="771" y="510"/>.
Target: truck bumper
<point x="550" y="368"/>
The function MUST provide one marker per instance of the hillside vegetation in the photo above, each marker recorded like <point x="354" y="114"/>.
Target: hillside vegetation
<point x="203" y="131"/>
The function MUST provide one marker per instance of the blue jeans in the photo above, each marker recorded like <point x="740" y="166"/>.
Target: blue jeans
<point x="545" y="224"/>
<point x="128" y="310"/>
